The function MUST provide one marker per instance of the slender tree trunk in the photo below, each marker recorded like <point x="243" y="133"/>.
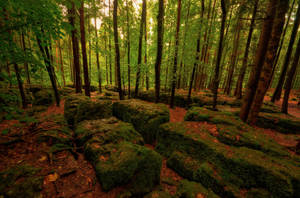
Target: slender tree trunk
<point x="25" y="63"/>
<point x="281" y="41"/>
<point x="61" y="63"/>
<point x="259" y="60"/>
<point x="116" y="36"/>
<point x="220" y="48"/>
<point x="239" y="84"/>
<point x="90" y="49"/>
<point x="278" y="90"/>
<point x="160" y="36"/>
<point x="106" y="66"/>
<point x="145" y="60"/>
<point x="290" y="78"/>
<point x="20" y="84"/>
<point x="97" y="58"/>
<point x="109" y="47"/>
<point x="175" y="54"/>
<point x="83" y="50"/>
<point x="75" y="46"/>
<point x="128" y="48"/>
<point x="138" y="73"/>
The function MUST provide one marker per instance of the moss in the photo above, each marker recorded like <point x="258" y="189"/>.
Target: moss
<point x="70" y="107"/>
<point x="137" y="166"/>
<point x="92" y="110"/>
<point x="42" y="97"/>
<point x="109" y="130"/>
<point x="145" y="117"/>
<point x="252" y="167"/>
<point x="258" y="193"/>
<point x="279" y="122"/>
<point x="189" y="189"/>
<point x="20" y="182"/>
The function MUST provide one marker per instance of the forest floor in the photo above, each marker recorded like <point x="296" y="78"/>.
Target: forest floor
<point x="66" y="172"/>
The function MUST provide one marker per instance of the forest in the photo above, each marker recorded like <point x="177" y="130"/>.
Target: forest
<point x="150" y="98"/>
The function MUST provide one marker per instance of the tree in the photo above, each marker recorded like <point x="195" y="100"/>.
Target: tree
<point x="259" y="60"/>
<point x="278" y="90"/>
<point x="239" y="84"/>
<point x="219" y="56"/>
<point x="290" y="78"/>
<point x="175" y="54"/>
<point x="128" y="47"/>
<point x="97" y="53"/>
<point x="83" y="49"/>
<point x="160" y="36"/>
<point x="116" y="36"/>
<point x="75" y="46"/>
<point x="138" y="73"/>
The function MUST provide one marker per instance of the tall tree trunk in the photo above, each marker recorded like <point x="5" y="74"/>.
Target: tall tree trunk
<point x="160" y="35"/>
<point x="281" y="41"/>
<point x="145" y="60"/>
<point x="106" y="66"/>
<point x="90" y="49"/>
<point x="128" y="48"/>
<point x="75" y="46"/>
<point x="61" y="63"/>
<point x="109" y="47"/>
<point x="138" y="73"/>
<point x="278" y="90"/>
<point x="239" y="84"/>
<point x="20" y="84"/>
<point x="220" y="48"/>
<point x="175" y="54"/>
<point x="97" y="58"/>
<point x="290" y="78"/>
<point x="259" y="60"/>
<point x="116" y="36"/>
<point x="186" y="26"/>
<point x="25" y="63"/>
<point x="83" y="50"/>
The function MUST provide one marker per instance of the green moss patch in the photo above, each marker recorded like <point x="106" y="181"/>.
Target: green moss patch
<point x="20" y="182"/>
<point x="78" y="108"/>
<point x="244" y="167"/>
<point x="42" y="97"/>
<point x="145" y="117"/>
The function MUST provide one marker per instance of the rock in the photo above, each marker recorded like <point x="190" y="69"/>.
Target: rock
<point x="42" y="97"/>
<point x="145" y="117"/>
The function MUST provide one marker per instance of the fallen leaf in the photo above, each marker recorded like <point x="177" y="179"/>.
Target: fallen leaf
<point x="43" y="158"/>
<point x="52" y="177"/>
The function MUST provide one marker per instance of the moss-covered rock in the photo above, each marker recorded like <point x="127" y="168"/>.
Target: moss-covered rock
<point x="126" y="163"/>
<point x="108" y="130"/>
<point x="189" y="189"/>
<point x="248" y="168"/>
<point x="158" y="194"/>
<point x="78" y="108"/>
<point x="279" y="122"/>
<point x="145" y="117"/>
<point x="20" y="182"/>
<point x="43" y="97"/>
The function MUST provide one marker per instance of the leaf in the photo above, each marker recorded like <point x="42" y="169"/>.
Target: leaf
<point x="52" y="177"/>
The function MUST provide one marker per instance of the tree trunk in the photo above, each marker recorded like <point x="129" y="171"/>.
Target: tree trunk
<point x="109" y="47"/>
<point x="239" y="84"/>
<point x="116" y="36"/>
<point x="75" y="46"/>
<point x="20" y="84"/>
<point x="138" y="73"/>
<point x="175" y="54"/>
<point x="186" y="25"/>
<point x="61" y="63"/>
<point x="160" y="35"/>
<point x="83" y="50"/>
<point x="25" y="63"/>
<point x="290" y="78"/>
<point x="128" y="48"/>
<point x="259" y="60"/>
<point x="90" y="49"/>
<point x="278" y="90"/>
<point x="145" y="60"/>
<point x="97" y="57"/>
<point x="220" y="48"/>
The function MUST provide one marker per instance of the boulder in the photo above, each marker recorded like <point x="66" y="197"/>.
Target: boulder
<point x="144" y="116"/>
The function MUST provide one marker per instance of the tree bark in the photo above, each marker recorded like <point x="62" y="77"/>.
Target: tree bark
<point x="75" y="46"/>
<point x="25" y="63"/>
<point x="20" y="84"/>
<point x="278" y="90"/>
<point x="138" y="73"/>
<point x="145" y="59"/>
<point x="116" y="36"/>
<point x="61" y="63"/>
<point x="259" y="60"/>
<point x="128" y="48"/>
<point x="290" y="78"/>
<point x="97" y="57"/>
<point x="239" y="84"/>
<point x="220" y="48"/>
<point x="109" y="47"/>
<point x="160" y="36"/>
<point x="175" y="54"/>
